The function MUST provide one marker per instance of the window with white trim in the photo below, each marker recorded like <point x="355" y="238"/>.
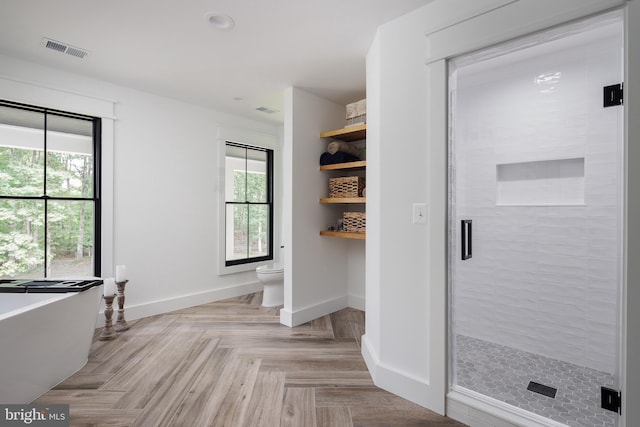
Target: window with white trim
<point x="49" y="193"/>
<point x="248" y="204"/>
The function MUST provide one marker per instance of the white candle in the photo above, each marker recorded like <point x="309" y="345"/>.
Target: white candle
<point x="121" y="273"/>
<point x="109" y="287"/>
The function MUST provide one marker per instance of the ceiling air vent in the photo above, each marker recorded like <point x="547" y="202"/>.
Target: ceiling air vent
<point x="266" y="110"/>
<point x="64" y="48"/>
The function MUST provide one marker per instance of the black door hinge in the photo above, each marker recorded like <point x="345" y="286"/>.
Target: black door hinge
<point x="613" y="95"/>
<point x="611" y="400"/>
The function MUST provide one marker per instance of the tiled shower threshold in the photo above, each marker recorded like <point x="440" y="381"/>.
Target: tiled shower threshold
<point x="503" y="373"/>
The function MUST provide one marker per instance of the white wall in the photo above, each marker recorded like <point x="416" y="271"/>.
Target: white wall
<point x="164" y="176"/>
<point x="545" y="271"/>
<point x="395" y="345"/>
<point x="356" y="273"/>
<point x="371" y="340"/>
<point x="407" y="140"/>
<point x="316" y="267"/>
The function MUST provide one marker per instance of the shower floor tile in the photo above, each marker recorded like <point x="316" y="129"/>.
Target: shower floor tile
<point x="504" y="373"/>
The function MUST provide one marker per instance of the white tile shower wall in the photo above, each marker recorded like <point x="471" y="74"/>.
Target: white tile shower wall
<point x="542" y="279"/>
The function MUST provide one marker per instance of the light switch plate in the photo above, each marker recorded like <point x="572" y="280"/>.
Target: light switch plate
<point x="419" y="213"/>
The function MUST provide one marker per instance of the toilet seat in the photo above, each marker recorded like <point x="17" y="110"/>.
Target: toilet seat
<point x="271" y="268"/>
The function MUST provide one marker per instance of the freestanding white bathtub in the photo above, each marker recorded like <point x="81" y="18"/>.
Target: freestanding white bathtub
<point x="44" y="339"/>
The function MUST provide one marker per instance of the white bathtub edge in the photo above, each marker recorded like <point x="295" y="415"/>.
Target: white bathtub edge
<point x="50" y="340"/>
<point x="46" y="299"/>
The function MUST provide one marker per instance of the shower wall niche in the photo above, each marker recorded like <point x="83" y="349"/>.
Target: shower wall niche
<point x="536" y="165"/>
<point x="540" y="183"/>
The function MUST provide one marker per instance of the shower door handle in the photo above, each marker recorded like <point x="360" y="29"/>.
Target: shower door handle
<point x="467" y="238"/>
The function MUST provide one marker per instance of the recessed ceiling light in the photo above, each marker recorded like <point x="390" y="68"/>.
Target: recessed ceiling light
<point x="223" y="22"/>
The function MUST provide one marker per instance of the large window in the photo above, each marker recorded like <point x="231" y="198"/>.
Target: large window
<point x="49" y="193"/>
<point x="248" y="204"/>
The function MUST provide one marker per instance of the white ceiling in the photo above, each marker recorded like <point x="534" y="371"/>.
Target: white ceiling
<point x="168" y="47"/>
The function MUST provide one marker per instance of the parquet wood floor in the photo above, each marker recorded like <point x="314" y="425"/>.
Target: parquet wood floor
<point x="231" y="363"/>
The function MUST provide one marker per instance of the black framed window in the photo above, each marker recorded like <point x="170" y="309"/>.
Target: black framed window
<point x="49" y="193"/>
<point x="248" y="204"/>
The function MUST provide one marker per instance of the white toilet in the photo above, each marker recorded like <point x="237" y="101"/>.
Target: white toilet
<point x="272" y="277"/>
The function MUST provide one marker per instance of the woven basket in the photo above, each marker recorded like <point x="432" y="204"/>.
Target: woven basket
<point x="354" y="222"/>
<point x="347" y="186"/>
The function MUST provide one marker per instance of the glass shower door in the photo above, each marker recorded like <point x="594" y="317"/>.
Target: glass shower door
<point x="536" y="220"/>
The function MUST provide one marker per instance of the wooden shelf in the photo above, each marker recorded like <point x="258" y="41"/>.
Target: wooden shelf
<point x="343" y="200"/>
<point x="360" y="164"/>
<point x="351" y="133"/>
<point x="348" y="134"/>
<point x="344" y="235"/>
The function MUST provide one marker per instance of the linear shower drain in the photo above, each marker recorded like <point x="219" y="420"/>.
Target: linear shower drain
<point x="542" y="389"/>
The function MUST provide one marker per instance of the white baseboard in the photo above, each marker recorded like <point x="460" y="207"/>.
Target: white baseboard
<point x="356" y="301"/>
<point x="298" y="317"/>
<point x="307" y="314"/>
<point x="153" y="308"/>
<point x="403" y="384"/>
<point x="370" y="357"/>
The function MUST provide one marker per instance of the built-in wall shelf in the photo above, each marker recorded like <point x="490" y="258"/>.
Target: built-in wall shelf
<point x="347" y="134"/>
<point x="360" y="164"/>
<point x="344" y="235"/>
<point x="351" y="133"/>
<point x="343" y="200"/>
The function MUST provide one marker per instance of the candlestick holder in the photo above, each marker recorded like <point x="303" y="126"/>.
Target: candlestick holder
<point x="108" y="333"/>
<point x="121" y="323"/>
